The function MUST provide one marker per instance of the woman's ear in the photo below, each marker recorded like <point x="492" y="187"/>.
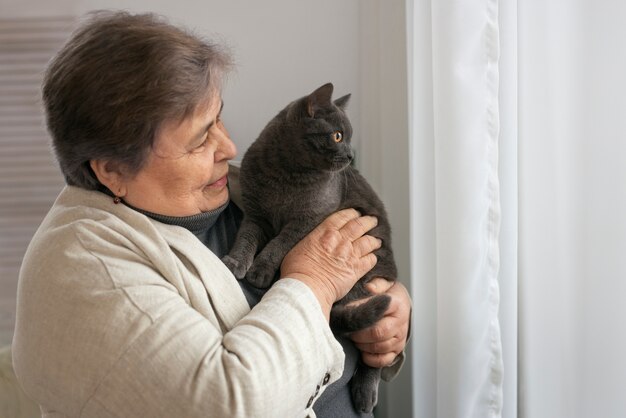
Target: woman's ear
<point x="110" y="175"/>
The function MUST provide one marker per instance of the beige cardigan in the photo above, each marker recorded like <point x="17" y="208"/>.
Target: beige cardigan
<point x="122" y="316"/>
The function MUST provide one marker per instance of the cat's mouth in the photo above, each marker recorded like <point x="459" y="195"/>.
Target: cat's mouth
<point x="339" y="163"/>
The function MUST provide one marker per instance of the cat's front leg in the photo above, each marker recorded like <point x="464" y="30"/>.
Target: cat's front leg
<point x="250" y="237"/>
<point x="267" y="263"/>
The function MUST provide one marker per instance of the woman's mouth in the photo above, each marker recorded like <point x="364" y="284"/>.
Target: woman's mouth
<point x="219" y="183"/>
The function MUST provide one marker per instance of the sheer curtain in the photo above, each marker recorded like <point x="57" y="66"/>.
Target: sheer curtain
<point x="518" y="190"/>
<point x="572" y="205"/>
<point x="454" y="58"/>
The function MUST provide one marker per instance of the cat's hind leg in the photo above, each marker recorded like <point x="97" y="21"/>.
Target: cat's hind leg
<point x="364" y="387"/>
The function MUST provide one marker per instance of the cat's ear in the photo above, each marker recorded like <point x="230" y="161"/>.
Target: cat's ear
<point x="342" y="101"/>
<point x="320" y="98"/>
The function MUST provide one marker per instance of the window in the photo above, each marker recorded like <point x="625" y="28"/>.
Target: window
<point x="29" y="177"/>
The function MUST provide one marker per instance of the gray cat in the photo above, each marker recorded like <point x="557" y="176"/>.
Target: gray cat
<point x="292" y="177"/>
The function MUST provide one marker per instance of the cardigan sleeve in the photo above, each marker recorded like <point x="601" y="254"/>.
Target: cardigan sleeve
<point x="275" y="362"/>
<point x="100" y="333"/>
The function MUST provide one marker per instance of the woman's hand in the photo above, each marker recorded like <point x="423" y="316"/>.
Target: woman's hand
<point x="334" y="256"/>
<point x="381" y="343"/>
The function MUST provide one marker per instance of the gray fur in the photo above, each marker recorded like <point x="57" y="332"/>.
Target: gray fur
<point x="292" y="177"/>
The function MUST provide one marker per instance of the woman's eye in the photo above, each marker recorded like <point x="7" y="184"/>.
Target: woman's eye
<point x="206" y="139"/>
<point x="337" y="136"/>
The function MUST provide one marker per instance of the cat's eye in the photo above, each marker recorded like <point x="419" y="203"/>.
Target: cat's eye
<point x="337" y="136"/>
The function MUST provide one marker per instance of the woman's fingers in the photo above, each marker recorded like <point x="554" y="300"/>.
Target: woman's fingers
<point x="378" y="285"/>
<point x="383" y="341"/>
<point x="338" y="219"/>
<point x="366" y="244"/>
<point x="355" y="228"/>
<point x="364" y="264"/>
<point x="379" y="360"/>
<point x="391" y="345"/>
<point x="382" y="337"/>
<point x="350" y="223"/>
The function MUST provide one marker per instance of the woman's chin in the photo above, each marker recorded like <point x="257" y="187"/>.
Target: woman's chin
<point x="215" y="199"/>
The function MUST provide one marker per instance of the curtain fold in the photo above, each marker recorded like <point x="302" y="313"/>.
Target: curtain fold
<point x="508" y="171"/>
<point x="466" y="125"/>
<point x="463" y="186"/>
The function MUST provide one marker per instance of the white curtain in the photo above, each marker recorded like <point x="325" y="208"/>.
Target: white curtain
<point x="454" y="58"/>
<point x="554" y="172"/>
<point x="572" y="206"/>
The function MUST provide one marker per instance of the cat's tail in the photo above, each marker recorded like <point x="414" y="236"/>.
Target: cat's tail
<point x="350" y="318"/>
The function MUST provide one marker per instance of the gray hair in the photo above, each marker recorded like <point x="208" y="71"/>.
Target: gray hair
<point x="113" y="84"/>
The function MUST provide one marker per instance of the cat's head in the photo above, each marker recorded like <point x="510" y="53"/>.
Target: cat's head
<point x="320" y="130"/>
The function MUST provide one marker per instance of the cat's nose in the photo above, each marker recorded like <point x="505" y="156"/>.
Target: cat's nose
<point x="350" y="155"/>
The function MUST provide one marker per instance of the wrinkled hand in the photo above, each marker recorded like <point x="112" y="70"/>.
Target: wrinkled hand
<point x="381" y="343"/>
<point x="334" y="256"/>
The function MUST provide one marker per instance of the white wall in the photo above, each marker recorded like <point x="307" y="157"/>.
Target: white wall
<point x="283" y="49"/>
<point x="384" y="151"/>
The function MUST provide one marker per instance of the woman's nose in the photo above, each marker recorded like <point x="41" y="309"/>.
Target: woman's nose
<point x="227" y="150"/>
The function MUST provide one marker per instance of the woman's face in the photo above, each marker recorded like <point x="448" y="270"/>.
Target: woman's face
<point x="186" y="170"/>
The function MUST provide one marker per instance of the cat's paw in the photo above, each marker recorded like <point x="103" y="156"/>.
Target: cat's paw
<point x="261" y="274"/>
<point x="237" y="268"/>
<point x="364" y="395"/>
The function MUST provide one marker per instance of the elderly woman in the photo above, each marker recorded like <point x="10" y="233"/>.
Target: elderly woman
<point x="124" y="307"/>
